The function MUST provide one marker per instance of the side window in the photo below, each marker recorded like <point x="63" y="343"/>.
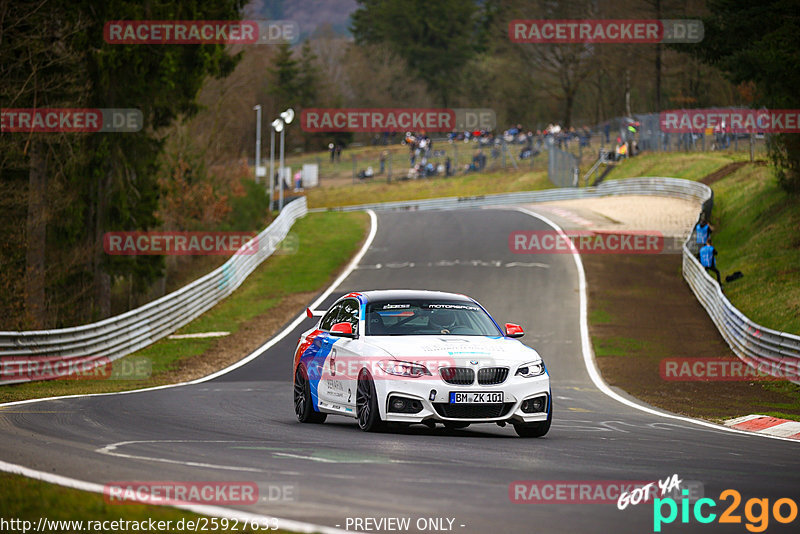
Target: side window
<point x="330" y="318"/>
<point x="349" y="313"/>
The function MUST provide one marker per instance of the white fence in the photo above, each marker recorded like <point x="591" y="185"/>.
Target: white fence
<point x="24" y="356"/>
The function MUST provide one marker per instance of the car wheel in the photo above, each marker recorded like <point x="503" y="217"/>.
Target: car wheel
<point x="369" y="418"/>
<point x="535" y="430"/>
<point x="303" y="406"/>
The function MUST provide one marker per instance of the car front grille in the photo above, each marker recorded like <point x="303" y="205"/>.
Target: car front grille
<point x="472" y="411"/>
<point x="492" y="375"/>
<point x="459" y="376"/>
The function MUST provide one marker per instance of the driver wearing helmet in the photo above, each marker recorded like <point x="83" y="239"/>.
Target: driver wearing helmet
<point x="442" y="320"/>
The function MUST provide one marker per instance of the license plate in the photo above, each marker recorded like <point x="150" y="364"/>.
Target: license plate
<point x="467" y="397"/>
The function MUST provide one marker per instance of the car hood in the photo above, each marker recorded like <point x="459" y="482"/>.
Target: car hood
<point x="457" y="350"/>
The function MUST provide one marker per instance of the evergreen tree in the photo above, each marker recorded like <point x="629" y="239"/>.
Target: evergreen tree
<point x="760" y="43"/>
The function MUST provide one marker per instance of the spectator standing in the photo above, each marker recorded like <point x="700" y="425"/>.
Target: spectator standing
<point x="708" y="259"/>
<point x="338" y="152"/>
<point x="447" y="166"/>
<point x="298" y="181"/>
<point x="332" y="148"/>
<point x="702" y="231"/>
<point x="384" y="155"/>
<point x="622" y="150"/>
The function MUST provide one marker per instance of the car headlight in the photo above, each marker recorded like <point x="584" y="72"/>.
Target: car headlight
<point x="398" y="368"/>
<point x="531" y="369"/>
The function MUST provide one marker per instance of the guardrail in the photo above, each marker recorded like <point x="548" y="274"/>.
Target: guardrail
<point x="117" y="336"/>
<point x="775" y="352"/>
<point x="672" y="187"/>
<point x="26" y="356"/>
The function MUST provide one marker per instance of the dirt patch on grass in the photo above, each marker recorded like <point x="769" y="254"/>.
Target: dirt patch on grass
<point x="645" y="299"/>
<point x="723" y="172"/>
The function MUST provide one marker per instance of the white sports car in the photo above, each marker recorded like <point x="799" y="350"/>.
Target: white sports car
<point x="426" y="357"/>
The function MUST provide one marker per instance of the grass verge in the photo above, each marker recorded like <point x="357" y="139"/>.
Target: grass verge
<point x="641" y="311"/>
<point x="692" y="166"/>
<point x="26" y="499"/>
<point x="687" y="165"/>
<point x="321" y="244"/>
<point x="757" y="232"/>
<point x="455" y="186"/>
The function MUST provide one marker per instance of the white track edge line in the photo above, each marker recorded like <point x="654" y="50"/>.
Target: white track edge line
<point x="588" y="353"/>
<point x="201" y="509"/>
<point x="256" y="353"/>
<point x="290" y="524"/>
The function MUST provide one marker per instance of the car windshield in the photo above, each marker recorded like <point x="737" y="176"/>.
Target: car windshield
<point x="428" y="318"/>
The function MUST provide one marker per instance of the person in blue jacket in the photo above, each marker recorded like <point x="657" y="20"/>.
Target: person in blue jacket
<point x="708" y="259"/>
<point x="702" y="231"/>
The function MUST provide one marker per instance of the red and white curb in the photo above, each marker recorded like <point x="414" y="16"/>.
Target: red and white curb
<point x="568" y="215"/>
<point x="764" y="424"/>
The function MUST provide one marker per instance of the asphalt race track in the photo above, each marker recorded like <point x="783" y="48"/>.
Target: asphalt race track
<point x="241" y="426"/>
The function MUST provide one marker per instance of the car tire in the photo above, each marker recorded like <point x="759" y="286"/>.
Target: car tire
<point x="535" y="430"/>
<point x="367" y="414"/>
<point x="303" y="406"/>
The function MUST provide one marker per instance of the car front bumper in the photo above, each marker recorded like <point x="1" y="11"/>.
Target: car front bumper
<point x="515" y="391"/>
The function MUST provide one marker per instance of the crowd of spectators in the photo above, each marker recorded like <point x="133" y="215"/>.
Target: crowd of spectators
<point x="515" y="141"/>
<point x="531" y="140"/>
<point x="529" y="144"/>
<point x="420" y="153"/>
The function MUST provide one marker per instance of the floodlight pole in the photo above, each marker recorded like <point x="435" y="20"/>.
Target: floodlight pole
<point x="258" y="138"/>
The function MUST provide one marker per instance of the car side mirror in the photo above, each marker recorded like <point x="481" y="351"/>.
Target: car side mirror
<point x="343" y="330"/>
<point x="514" y="330"/>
